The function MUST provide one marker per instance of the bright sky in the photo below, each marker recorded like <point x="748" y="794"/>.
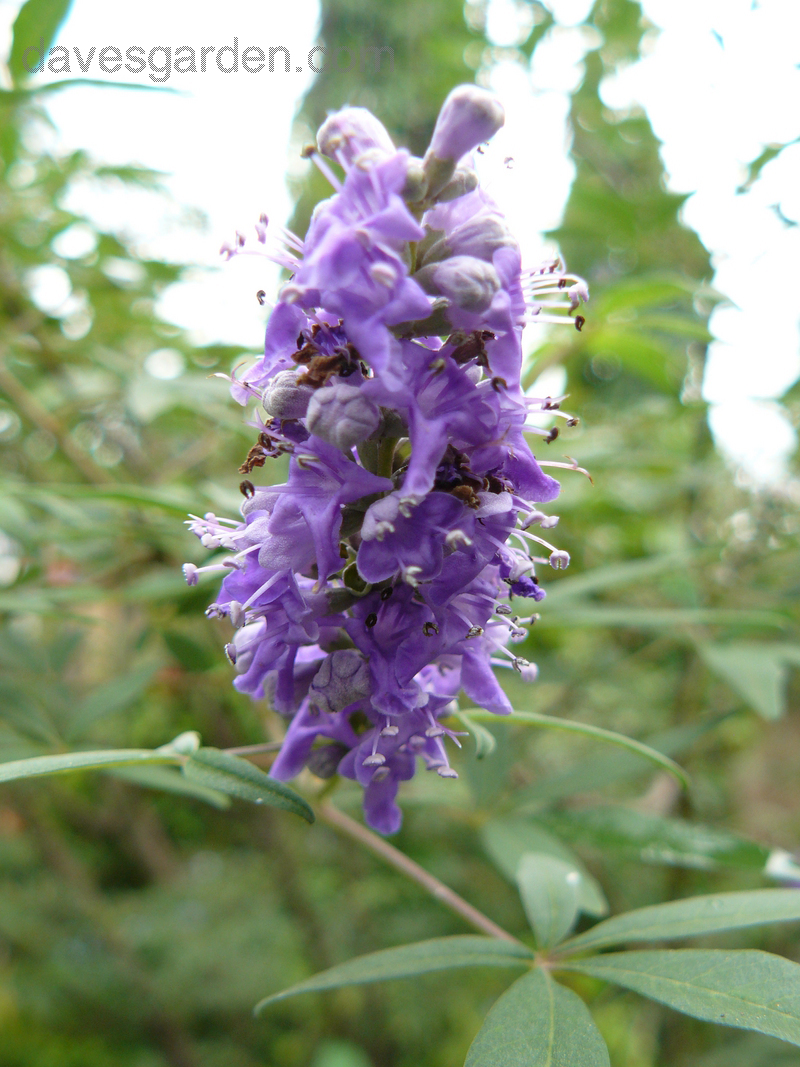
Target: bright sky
<point x="720" y="81"/>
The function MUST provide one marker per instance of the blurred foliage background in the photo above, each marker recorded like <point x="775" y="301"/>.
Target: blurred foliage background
<point x="138" y="928"/>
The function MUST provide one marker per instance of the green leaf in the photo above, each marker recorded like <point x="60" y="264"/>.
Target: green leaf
<point x="65" y="762"/>
<point x="538" y="1023"/>
<point x="17" y="96"/>
<point x="692" y="917"/>
<point x="220" y="770"/>
<point x="755" y="670"/>
<point x="550" y="722"/>
<point x="508" y="840"/>
<point x="171" y="781"/>
<point x="438" y="954"/>
<point x="656" y="839"/>
<point x="550" y="891"/>
<point x="748" y="988"/>
<point x="605" y="769"/>
<point x="37" y="21"/>
<point x="485" y="741"/>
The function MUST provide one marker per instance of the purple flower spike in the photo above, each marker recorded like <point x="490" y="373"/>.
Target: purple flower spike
<point x="378" y="582"/>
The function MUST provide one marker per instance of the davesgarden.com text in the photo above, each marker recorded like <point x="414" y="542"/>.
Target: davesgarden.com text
<point x="162" y="61"/>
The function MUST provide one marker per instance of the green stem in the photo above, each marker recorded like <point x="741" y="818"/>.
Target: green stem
<point x="386" y="456"/>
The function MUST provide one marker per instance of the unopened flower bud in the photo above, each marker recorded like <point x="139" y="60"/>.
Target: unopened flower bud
<point x="559" y="560"/>
<point x="342" y="679"/>
<point x="348" y="133"/>
<point x="468" y="116"/>
<point x="284" y="398"/>
<point x="342" y="416"/>
<point x="468" y="282"/>
<point x="480" y="236"/>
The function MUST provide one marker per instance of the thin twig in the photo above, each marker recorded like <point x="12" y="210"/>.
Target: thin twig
<point x="336" y="818"/>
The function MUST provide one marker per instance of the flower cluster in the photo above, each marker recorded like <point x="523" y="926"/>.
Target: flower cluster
<point x="375" y="585"/>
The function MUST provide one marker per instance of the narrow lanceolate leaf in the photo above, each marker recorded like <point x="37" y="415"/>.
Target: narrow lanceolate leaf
<point x="756" y="670"/>
<point x="691" y="918"/>
<point x="508" y="839"/>
<point x="438" y="954"/>
<point x="550" y="891"/>
<point x="220" y="770"/>
<point x="65" y="762"/>
<point x="657" y="839"/>
<point x="750" y="989"/>
<point x="169" y="779"/>
<point x="551" y="722"/>
<point x="538" y="1023"/>
<point x="35" y="28"/>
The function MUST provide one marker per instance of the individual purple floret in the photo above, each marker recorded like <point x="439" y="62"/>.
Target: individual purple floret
<point x="378" y="584"/>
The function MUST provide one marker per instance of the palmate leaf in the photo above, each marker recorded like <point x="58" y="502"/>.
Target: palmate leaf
<point x="438" y="954"/>
<point x="538" y="1023"/>
<point x="691" y="918"/>
<point x="221" y="771"/>
<point x="747" y="988"/>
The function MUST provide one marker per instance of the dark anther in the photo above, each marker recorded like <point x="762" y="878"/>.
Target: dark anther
<point x="386" y="593"/>
<point x="562" y="283"/>
<point x="470" y="346"/>
<point x="467" y="495"/>
<point x="580" y="322"/>
<point x="475" y="631"/>
<point x="430" y="628"/>
<point x="551" y="436"/>
<point x="550" y="405"/>
<point x="261" y="296"/>
<point x="247" y="489"/>
<point x="371" y="620"/>
<point x="300" y="340"/>
<point x="573" y="421"/>
<point x="498" y="384"/>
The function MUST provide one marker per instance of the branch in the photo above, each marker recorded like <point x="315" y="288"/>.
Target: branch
<point x="331" y="815"/>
